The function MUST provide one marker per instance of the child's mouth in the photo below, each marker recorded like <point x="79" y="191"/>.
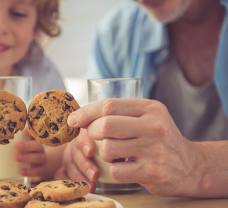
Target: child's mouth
<point x="3" y="48"/>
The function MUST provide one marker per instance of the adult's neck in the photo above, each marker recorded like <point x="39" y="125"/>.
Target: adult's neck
<point x="203" y="19"/>
<point x="194" y="40"/>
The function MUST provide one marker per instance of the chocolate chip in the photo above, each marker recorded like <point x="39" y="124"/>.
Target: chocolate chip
<point x="84" y="183"/>
<point x="44" y="134"/>
<point x="55" y="140"/>
<point x="3" y="195"/>
<point x="23" y="119"/>
<point x="74" y="131"/>
<point x="32" y="108"/>
<point x="13" y="193"/>
<point x="1" y="117"/>
<point x="21" y="186"/>
<point x="16" y="107"/>
<point x="68" y="96"/>
<point x="69" y="184"/>
<point x="48" y="198"/>
<point x="40" y="112"/>
<point x="5" y="187"/>
<point x="39" y="196"/>
<point x="2" y="131"/>
<point x="53" y="126"/>
<point x="11" y="125"/>
<point x="66" y="107"/>
<point x="4" y="141"/>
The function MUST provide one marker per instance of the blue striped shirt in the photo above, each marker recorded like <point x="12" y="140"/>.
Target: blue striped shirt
<point x="128" y="43"/>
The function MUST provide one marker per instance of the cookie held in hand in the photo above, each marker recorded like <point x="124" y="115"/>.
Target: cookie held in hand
<point x="13" y="116"/>
<point x="47" y="117"/>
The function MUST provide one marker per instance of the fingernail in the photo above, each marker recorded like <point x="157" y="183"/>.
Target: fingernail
<point x="86" y="149"/>
<point x="71" y="121"/>
<point x="90" y="174"/>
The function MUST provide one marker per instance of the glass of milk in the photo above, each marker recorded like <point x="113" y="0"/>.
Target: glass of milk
<point x="9" y="167"/>
<point x="99" y="89"/>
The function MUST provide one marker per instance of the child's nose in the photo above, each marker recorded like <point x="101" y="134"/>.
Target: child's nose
<point x="3" y="26"/>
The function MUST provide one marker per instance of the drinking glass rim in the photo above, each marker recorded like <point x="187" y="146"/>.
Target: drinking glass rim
<point x="15" y="77"/>
<point x="117" y="79"/>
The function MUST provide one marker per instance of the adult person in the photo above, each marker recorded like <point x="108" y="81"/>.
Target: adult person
<point x="179" y="47"/>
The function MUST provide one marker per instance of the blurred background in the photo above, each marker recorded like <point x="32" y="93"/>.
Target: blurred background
<point x="79" y="19"/>
<point x="71" y="50"/>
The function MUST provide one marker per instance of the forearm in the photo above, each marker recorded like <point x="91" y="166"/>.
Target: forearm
<point x="54" y="159"/>
<point x="214" y="170"/>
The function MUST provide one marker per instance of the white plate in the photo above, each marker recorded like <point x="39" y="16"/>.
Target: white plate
<point x="99" y="197"/>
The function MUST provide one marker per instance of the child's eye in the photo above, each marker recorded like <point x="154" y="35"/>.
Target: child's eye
<point x="18" y="14"/>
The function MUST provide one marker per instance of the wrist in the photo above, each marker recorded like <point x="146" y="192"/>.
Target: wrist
<point x="201" y="169"/>
<point x="210" y="169"/>
<point x="196" y="179"/>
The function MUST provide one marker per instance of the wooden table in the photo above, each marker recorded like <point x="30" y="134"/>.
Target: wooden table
<point x="146" y="200"/>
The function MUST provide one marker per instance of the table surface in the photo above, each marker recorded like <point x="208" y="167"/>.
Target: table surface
<point x="146" y="200"/>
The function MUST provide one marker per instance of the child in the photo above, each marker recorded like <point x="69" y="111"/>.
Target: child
<point x="23" y="23"/>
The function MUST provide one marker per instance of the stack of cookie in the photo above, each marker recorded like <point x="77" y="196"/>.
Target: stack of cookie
<point x="64" y="194"/>
<point x="50" y="194"/>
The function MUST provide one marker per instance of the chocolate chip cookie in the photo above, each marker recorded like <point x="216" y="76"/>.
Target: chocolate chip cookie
<point x="13" y="116"/>
<point x="13" y="195"/>
<point x="60" y="190"/>
<point x="93" y="204"/>
<point x="47" y="117"/>
<point x="42" y="204"/>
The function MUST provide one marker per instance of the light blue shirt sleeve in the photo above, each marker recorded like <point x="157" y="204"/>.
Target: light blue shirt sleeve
<point x="221" y="72"/>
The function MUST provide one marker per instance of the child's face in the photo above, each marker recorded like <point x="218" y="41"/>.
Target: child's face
<point x="17" y="31"/>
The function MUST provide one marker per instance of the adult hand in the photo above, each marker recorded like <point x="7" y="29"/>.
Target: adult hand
<point x="77" y="161"/>
<point x="162" y="160"/>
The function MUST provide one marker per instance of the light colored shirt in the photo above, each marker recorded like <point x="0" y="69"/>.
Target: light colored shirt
<point x="128" y="43"/>
<point x="197" y="111"/>
<point x="44" y="73"/>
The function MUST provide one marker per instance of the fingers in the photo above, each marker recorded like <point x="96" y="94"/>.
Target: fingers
<point x="120" y="127"/>
<point x="29" y="146"/>
<point x="85" y="166"/>
<point x="74" y="173"/>
<point x="34" y="159"/>
<point x="128" y="172"/>
<point x="34" y="171"/>
<point x="125" y="107"/>
<point x="111" y="149"/>
<point x="71" y="167"/>
<point x="85" y="144"/>
<point x="60" y="174"/>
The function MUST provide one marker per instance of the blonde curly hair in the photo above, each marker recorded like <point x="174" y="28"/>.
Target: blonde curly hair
<point x="48" y="17"/>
